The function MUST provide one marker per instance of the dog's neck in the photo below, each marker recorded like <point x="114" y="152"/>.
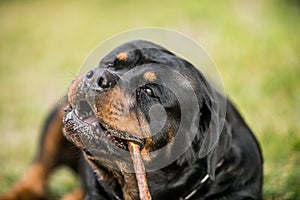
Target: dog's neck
<point x="122" y="185"/>
<point x="175" y="178"/>
<point x="113" y="180"/>
<point x="128" y="184"/>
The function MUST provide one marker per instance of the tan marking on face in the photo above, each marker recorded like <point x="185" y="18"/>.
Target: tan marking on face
<point x="73" y="88"/>
<point x="150" y="76"/>
<point x="113" y="110"/>
<point x="146" y="149"/>
<point x="123" y="56"/>
<point x="170" y="139"/>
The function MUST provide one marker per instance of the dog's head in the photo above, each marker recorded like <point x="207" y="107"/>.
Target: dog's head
<point x="143" y="93"/>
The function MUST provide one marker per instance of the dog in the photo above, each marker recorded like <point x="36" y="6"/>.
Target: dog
<point x="142" y="93"/>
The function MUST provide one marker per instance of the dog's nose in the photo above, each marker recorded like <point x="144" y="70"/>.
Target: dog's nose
<point x="107" y="80"/>
<point x="103" y="79"/>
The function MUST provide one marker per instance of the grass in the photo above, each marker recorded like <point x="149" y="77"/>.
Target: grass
<point x="255" y="45"/>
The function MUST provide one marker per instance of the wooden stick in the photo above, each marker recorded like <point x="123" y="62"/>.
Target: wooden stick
<point x="139" y="169"/>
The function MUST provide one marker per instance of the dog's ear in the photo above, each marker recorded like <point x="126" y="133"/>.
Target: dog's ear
<point x="215" y="132"/>
<point x="207" y="125"/>
<point x="209" y="129"/>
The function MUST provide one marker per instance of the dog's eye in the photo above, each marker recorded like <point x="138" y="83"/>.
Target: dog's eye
<point x="148" y="91"/>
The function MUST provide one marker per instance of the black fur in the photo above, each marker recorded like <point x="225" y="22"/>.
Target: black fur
<point x="225" y="167"/>
<point x="234" y="165"/>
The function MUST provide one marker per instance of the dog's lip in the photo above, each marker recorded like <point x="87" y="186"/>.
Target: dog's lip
<point x="119" y="138"/>
<point x="121" y="135"/>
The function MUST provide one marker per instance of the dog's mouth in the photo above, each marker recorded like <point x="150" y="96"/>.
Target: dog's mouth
<point x="86" y="122"/>
<point x="81" y="122"/>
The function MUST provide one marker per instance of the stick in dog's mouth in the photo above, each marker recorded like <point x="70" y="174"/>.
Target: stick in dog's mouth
<point x="139" y="169"/>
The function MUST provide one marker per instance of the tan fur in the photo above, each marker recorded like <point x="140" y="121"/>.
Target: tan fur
<point x="123" y="56"/>
<point x="76" y="194"/>
<point x="52" y="144"/>
<point x="73" y="88"/>
<point x="31" y="186"/>
<point x="115" y="113"/>
<point x="150" y="76"/>
<point x="127" y="181"/>
<point x="34" y="182"/>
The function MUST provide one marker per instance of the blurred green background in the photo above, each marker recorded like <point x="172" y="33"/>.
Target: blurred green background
<point x="255" y="44"/>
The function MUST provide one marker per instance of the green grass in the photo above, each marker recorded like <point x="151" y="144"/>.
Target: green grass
<point x="255" y="44"/>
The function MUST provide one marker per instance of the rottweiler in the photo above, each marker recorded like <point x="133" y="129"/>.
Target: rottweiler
<point x="143" y="93"/>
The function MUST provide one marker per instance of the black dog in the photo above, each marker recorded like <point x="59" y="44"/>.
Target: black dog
<point x="143" y="93"/>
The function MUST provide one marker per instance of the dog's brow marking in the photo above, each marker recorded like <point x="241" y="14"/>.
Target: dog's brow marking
<point x="122" y="56"/>
<point x="150" y="76"/>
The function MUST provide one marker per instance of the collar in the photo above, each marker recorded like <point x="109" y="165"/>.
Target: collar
<point x="191" y="194"/>
<point x="196" y="188"/>
<point x="116" y="196"/>
<point x="188" y="196"/>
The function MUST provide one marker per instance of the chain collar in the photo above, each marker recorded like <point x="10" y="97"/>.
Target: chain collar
<point x="198" y="186"/>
